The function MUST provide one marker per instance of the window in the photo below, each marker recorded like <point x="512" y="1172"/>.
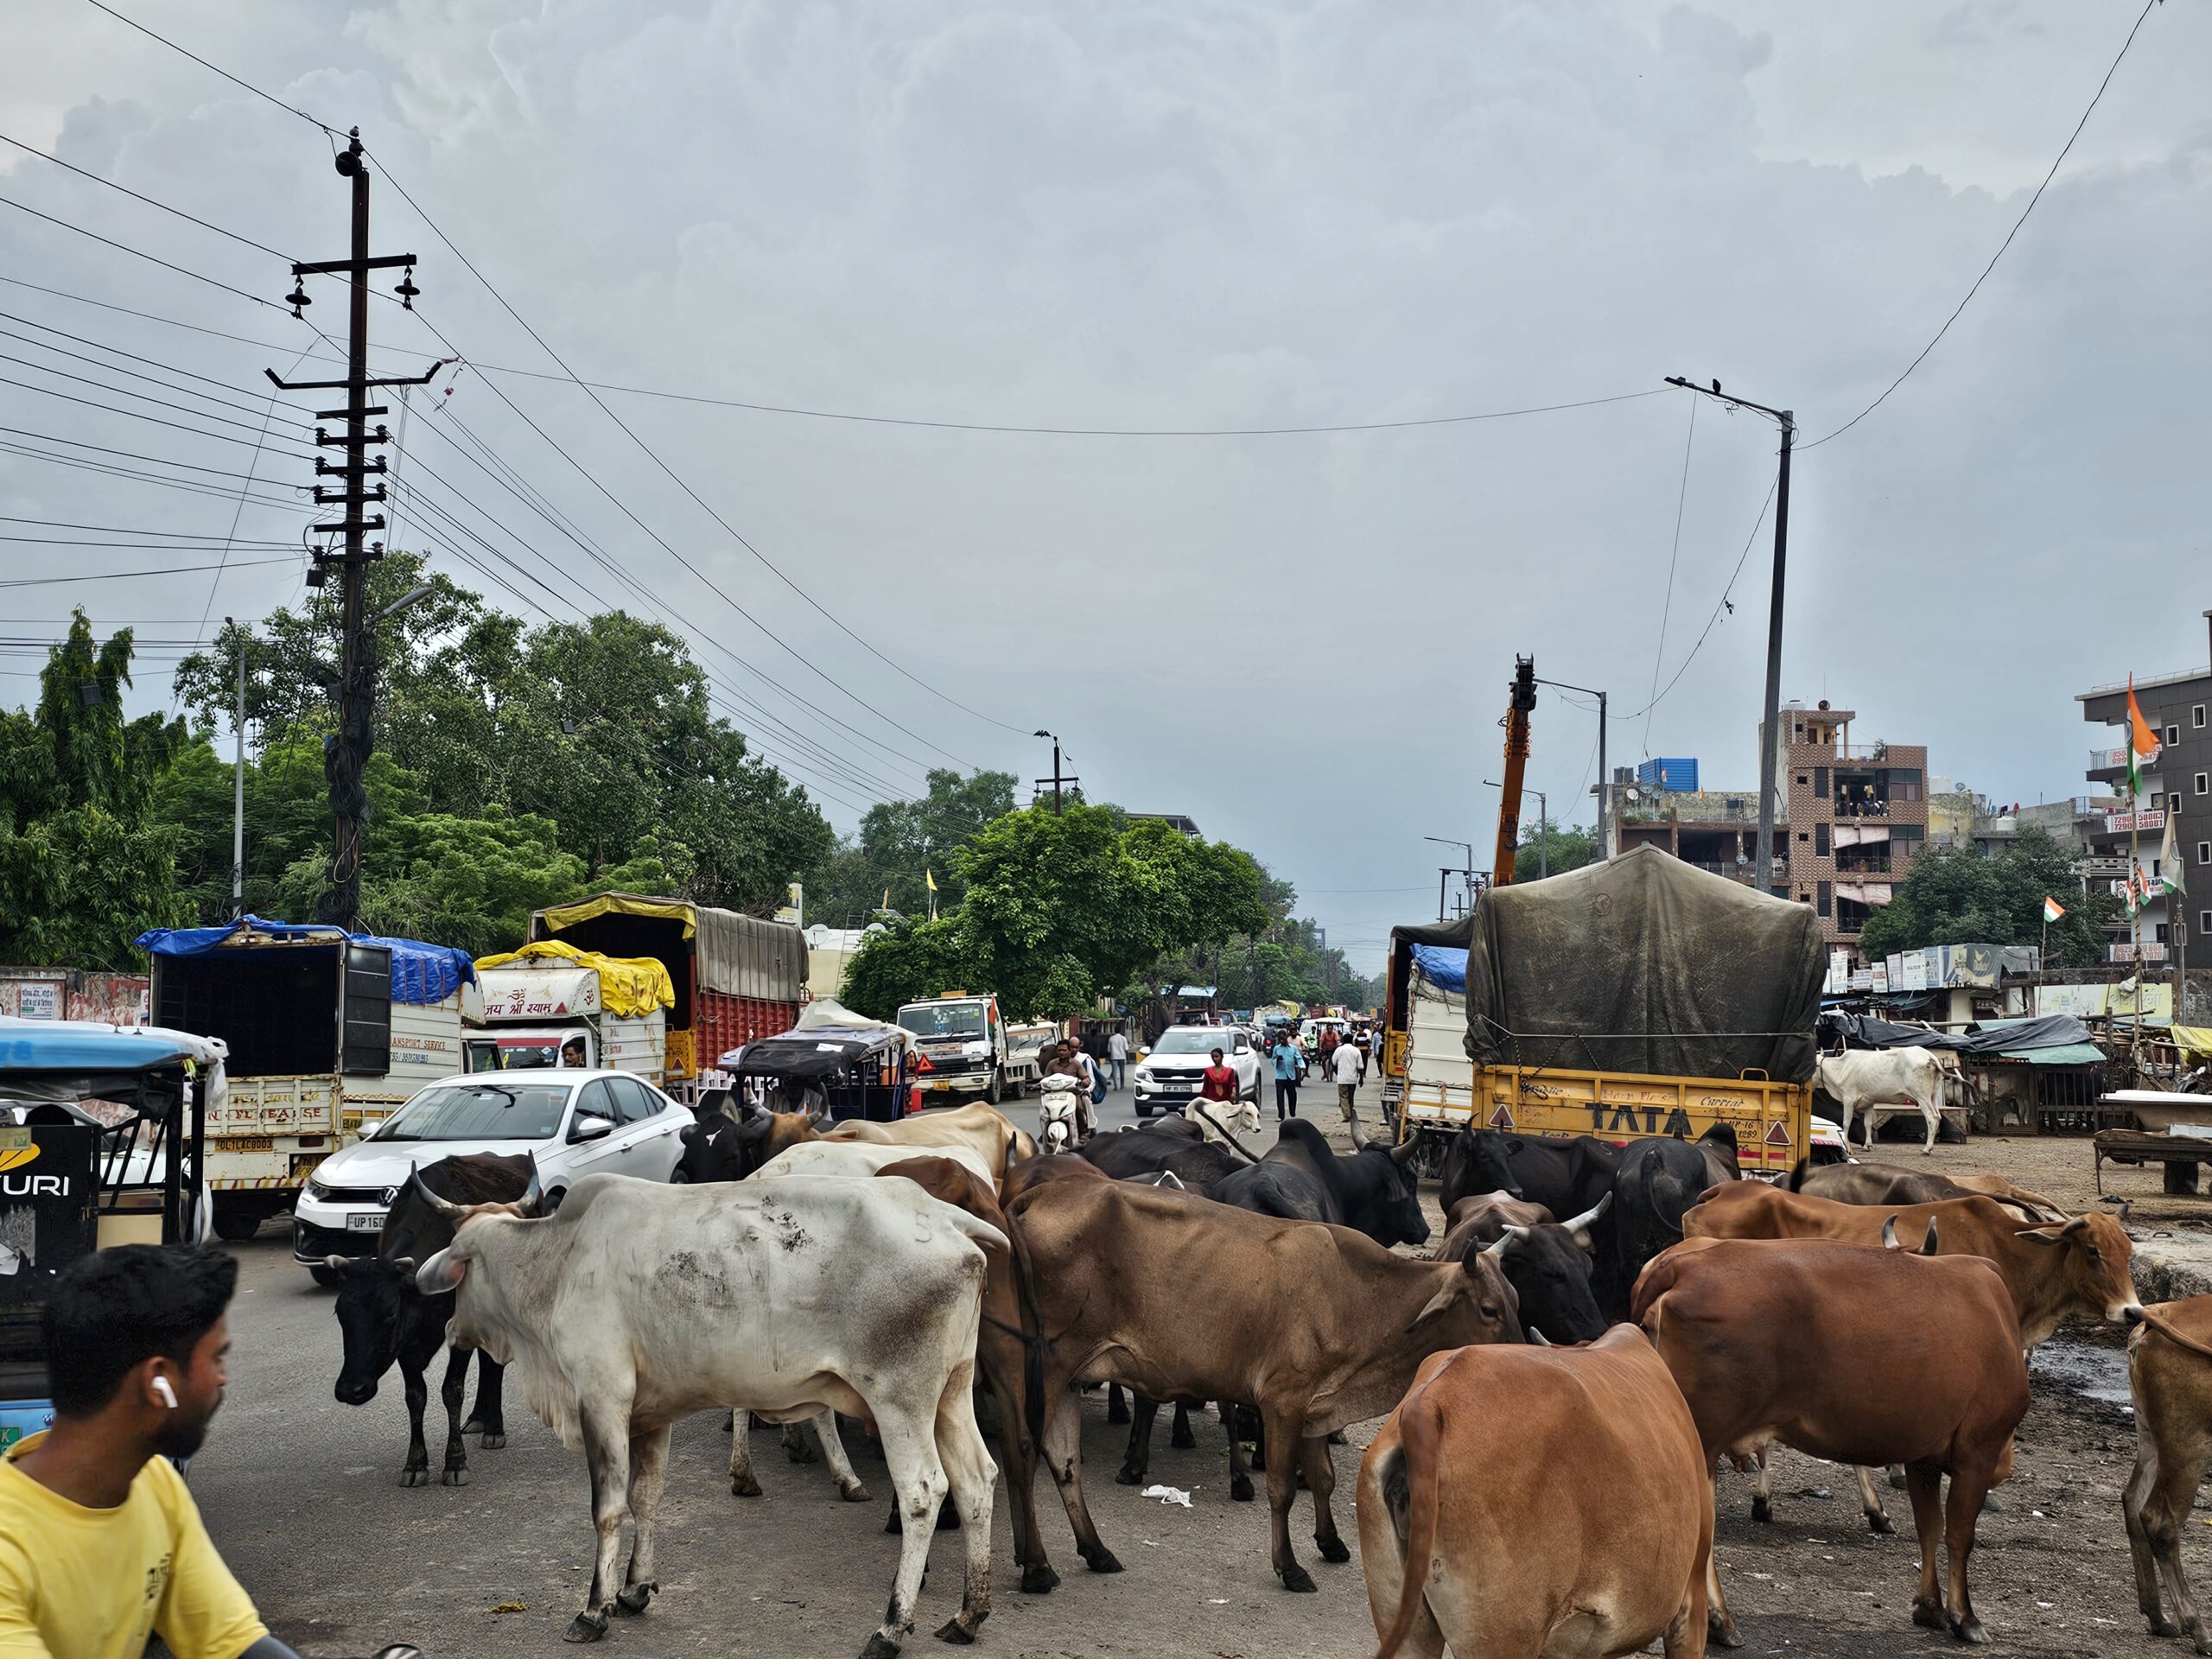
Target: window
<point x="1819" y="783"/>
<point x="1820" y="843"/>
<point x="2196" y="717"/>
<point x="1907" y="835"/>
<point x="634" y="1098"/>
<point x="2159" y="928"/>
<point x="1822" y="904"/>
<point x="1904" y="783"/>
<point x="2203" y="783"/>
<point x="2204" y="852"/>
<point x="2204" y="921"/>
<point x="595" y="1099"/>
<point x="2173" y="734"/>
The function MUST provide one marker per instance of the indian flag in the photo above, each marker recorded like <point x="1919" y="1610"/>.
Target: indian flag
<point x="2053" y="910"/>
<point x="2142" y="742"/>
<point x="2170" y="864"/>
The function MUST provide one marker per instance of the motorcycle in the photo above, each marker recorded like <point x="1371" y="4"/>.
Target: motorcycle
<point x="1059" y="1115"/>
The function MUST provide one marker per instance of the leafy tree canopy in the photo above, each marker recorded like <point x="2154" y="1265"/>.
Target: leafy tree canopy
<point x="1546" y="846"/>
<point x="1964" y="897"/>
<point x="903" y="844"/>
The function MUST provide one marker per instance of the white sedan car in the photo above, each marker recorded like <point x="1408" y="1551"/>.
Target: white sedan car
<point x="1167" y="1078"/>
<point x="573" y="1122"/>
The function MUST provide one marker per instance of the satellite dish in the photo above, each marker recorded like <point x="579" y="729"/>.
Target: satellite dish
<point x="1742" y="859"/>
<point x="1632" y="795"/>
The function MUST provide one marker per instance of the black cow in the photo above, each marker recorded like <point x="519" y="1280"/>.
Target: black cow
<point x="1303" y="1179"/>
<point x="1660" y="1178"/>
<point x="383" y="1317"/>
<point x="1201" y="1166"/>
<point x="1549" y="1264"/>
<point x="1566" y="1177"/>
<point x="1718" y="1146"/>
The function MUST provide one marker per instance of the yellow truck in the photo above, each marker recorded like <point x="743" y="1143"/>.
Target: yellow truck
<point x="1637" y="997"/>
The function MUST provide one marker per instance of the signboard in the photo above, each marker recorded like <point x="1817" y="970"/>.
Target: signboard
<point x="1894" y="965"/>
<point x="2095" y="1002"/>
<point x="1839" y="979"/>
<point x="47" y="1187"/>
<point x="2150" y="817"/>
<point x="1881" y="983"/>
<point x="1862" y="979"/>
<point x="539" y="993"/>
<point x="1916" y="971"/>
<point x="39" y="999"/>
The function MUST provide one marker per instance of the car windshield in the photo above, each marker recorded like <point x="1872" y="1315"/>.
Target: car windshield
<point x="943" y="1019"/>
<point x="479" y="1111"/>
<point x="1191" y="1039"/>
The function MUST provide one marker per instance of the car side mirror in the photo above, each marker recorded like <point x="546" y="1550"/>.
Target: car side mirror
<point x="589" y="1126"/>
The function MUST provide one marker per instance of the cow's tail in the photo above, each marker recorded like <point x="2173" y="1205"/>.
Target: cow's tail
<point x="1033" y="1339"/>
<point x="1654" y="1282"/>
<point x="1410" y="1481"/>
<point x="1646" y="1174"/>
<point x="1796" y="1181"/>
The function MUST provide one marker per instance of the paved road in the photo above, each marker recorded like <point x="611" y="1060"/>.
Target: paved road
<point x="302" y="1496"/>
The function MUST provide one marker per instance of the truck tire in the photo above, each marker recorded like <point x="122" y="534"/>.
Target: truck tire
<point x="235" y="1223"/>
<point x="994" y="1090"/>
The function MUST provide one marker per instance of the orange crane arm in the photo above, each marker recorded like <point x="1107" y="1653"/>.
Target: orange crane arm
<point x="1517" y="709"/>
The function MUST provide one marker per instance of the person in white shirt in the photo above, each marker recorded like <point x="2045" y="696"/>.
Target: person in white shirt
<point x="1348" y="1065"/>
<point x="1117" y="1051"/>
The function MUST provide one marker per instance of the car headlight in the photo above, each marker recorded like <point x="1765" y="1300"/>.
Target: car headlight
<point x="317" y="1191"/>
<point x="1144" y="1078"/>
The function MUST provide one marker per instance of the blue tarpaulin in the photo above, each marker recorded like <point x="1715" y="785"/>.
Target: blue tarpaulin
<point x="1442" y="966"/>
<point x="422" y="974"/>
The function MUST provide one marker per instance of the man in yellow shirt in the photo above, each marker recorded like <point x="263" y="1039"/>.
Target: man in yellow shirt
<point x="101" y="1545"/>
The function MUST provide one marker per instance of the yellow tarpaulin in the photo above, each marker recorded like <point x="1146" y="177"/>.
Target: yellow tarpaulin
<point x="630" y="987"/>
<point x="2196" y="1041"/>
<point x="621" y="903"/>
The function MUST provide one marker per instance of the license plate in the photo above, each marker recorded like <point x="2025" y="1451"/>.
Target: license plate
<point x="245" y="1143"/>
<point x="939" y="1086"/>
<point x="365" y="1221"/>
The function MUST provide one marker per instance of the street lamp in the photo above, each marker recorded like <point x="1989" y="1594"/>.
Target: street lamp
<point x="1604" y="851"/>
<point x="1468" y="871"/>
<point x="1543" y="826"/>
<point x="412" y="597"/>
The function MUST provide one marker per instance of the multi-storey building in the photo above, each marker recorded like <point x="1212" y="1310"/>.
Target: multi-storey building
<point x="1857" y="816"/>
<point x="2178" y="784"/>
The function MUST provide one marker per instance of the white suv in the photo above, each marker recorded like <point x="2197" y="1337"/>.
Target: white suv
<point x="1167" y="1078"/>
<point x="573" y="1122"/>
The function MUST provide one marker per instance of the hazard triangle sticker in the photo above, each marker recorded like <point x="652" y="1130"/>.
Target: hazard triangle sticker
<point x="1778" y="1136"/>
<point x="1503" y="1117"/>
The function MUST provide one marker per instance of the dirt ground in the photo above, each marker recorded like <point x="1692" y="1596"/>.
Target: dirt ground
<point x="303" y="1498"/>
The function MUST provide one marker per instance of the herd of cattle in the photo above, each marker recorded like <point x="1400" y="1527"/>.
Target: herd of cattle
<point x="1545" y="1481"/>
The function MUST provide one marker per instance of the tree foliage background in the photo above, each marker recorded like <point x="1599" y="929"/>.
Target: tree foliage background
<point x="1963" y="897"/>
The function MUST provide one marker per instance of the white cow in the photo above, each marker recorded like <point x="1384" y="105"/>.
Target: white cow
<point x="637" y="1304"/>
<point x="1860" y="1077"/>
<point x="976" y="1125"/>
<point x="854" y="1160"/>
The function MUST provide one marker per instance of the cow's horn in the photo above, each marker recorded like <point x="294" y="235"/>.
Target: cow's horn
<point x="1588" y="1218"/>
<point x="451" y="1211"/>
<point x="1405" y="1153"/>
<point x="1890" y="1233"/>
<point x="405" y="1263"/>
<point x="1506" y="1240"/>
<point x="337" y="1263"/>
<point x="1537" y="1338"/>
<point x="1359" y="1136"/>
<point x="533" y="1196"/>
<point x="1928" y="1245"/>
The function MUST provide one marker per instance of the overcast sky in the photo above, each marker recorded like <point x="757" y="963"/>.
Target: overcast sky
<point x="1205" y="214"/>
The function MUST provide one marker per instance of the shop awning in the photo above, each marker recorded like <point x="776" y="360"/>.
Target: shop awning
<point x="2065" y="1054"/>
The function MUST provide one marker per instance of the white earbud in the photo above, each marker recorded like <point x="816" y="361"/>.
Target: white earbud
<point x="169" y="1395"/>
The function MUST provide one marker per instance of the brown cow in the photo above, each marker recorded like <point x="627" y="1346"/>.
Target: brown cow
<point x="1858" y="1356"/>
<point x="2173" y="1391"/>
<point x="994" y="1139"/>
<point x="1890" y="1184"/>
<point x="1316" y="1326"/>
<point x="1001" y="1350"/>
<point x="1547" y="1499"/>
<point x="2052" y="1269"/>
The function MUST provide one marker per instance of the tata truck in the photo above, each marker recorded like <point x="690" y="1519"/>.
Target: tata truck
<point x="963" y="1043"/>
<point x="327" y="1033"/>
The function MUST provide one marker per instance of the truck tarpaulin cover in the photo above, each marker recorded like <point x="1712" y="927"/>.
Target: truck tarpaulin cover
<point x="1645" y="964"/>
<point x="422" y="974"/>
<point x="735" y="953"/>
<point x="630" y="987"/>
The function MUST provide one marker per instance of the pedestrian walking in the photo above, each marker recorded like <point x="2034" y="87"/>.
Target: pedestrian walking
<point x="1289" y="1068"/>
<point x="1347" y="1065"/>
<point x="1117" y="1051"/>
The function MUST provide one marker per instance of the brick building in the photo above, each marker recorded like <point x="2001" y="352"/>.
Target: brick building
<point x="1857" y="816"/>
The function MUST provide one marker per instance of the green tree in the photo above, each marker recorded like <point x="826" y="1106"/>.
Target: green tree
<point x="909" y="960"/>
<point x="902" y="842"/>
<point x="1545" y="846"/>
<point x="85" y="863"/>
<point x="1964" y="897"/>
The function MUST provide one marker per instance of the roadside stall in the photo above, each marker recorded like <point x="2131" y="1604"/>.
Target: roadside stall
<point x="103" y="1138"/>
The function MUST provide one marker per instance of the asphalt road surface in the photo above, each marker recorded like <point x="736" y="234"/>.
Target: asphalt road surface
<point x="302" y="1496"/>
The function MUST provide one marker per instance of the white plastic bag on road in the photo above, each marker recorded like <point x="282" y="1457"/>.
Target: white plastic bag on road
<point x="1168" y="1495"/>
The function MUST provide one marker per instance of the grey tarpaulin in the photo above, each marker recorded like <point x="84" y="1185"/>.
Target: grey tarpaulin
<point x="1644" y="963"/>
<point x="1990" y="1037"/>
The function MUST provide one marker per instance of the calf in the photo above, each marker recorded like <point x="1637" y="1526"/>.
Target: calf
<point x="2172" y="1387"/>
<point x="2053" y="1269"/>
<point x="382" y="1318"/>
<point x="1318" y="1327"/>
<point x="1566" y="1176"/>
<point x="637" y="1304"/>
<point x="1547" y="1263"/>
<point x="1534" y="1501"/>
<point x="1858" y="1356"/>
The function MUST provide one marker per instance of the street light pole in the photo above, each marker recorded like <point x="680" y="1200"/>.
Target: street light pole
<point x="237" y="788"/>
<point x="1468" y="872"/>
<point x="1604" y="851"/>
<point x="1772" y="714"/>
<point x="1057" y="779"/>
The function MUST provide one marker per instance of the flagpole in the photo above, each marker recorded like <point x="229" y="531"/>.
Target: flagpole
<point x="2135" y="918"/>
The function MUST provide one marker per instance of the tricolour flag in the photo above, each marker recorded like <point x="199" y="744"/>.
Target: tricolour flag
<point x="2142" y="742"/>
<point x="2170" y="864"/>
<point x="2053" y="910"/>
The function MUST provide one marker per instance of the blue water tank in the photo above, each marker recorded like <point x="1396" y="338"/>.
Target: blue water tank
<point x="1668" y="771"/>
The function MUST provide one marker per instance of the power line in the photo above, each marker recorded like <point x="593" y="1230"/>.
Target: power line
<point x="245" y="86"/>
<point x="136" y="253"/>
<point x="126" y="576"/>
<point x="133" y="414"/>
<point x="114" y="368"/>
<point x="1665" y="609"/>
<point x="178" y="212"/>
<point x="2001" y="246"/>
<point x="1719" y="606"/>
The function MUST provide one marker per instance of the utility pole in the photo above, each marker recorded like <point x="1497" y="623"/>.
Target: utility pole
<point x="1058" y="778"/>
<point x="1605" y="780"/>
<point x="1771" y="715"/>
<point x="237" y="788"/>
<point x="345" y="759"/>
